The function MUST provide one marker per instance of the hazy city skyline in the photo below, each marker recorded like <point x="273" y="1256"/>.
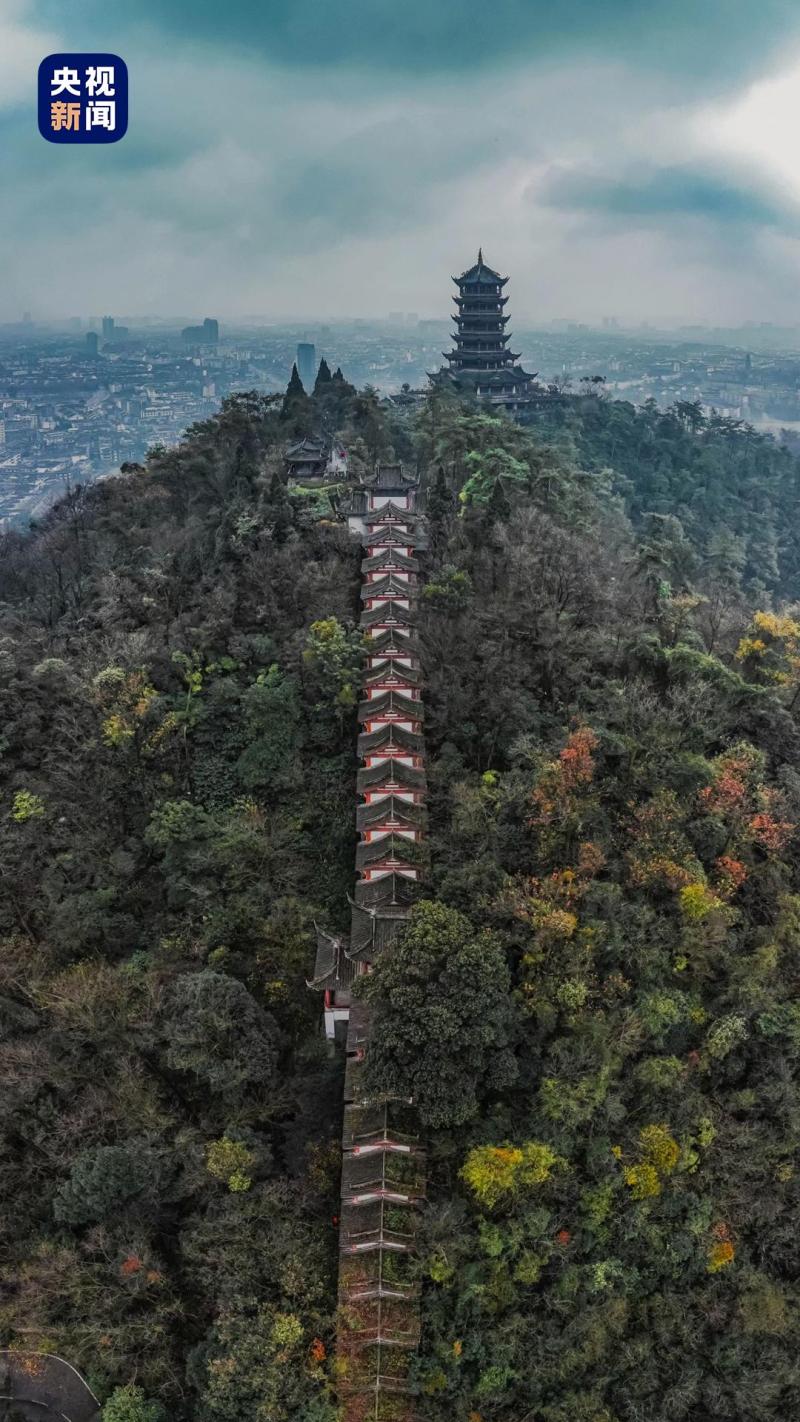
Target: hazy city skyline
<point x="309" y="162"/>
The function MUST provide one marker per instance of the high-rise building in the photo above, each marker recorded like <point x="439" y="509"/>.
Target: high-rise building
<point x="307" y="365"/>
<point x="481" y="363"/>
<point x="92" y="343"/>
<point x="205" y="335"/>
<point x="108" y="328"/>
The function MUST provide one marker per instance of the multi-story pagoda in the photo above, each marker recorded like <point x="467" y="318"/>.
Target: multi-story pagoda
<point x="383" y="1167"/>
<point x="481" y="363"/>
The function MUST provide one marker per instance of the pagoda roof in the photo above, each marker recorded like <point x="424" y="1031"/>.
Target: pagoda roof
<point x="492" y="341"/>
<point x="407" y="742"/>
<point x="391" y="703"/>
<point x="391" y="772"/>
<point x="481" y="360"/>
<point x="390" y="476"/>
<point x="307" y="449"/>
<point x="387" y="611"/>
<point x="481" y="273"/>
<point x="388" y="586"/>
<point x="507" y="375"/>
<point x="482" y="314"/>
<point x="390" y="510"/>
<point x="333" y="968"/>
<point x="388" y="558"/>
<point x="392" y="847"/>
<point x="389" y="670"/>
<point x="479" y="303"/>
<point x="390" y="890"/>
<point x="393" y="640"/>
<point x="372" y="929"/>
<point x="389" y="537"/>
<point x="408" y="814"/>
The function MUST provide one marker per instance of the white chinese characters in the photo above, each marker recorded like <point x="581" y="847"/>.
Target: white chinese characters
<point x="100" y="81"/>
<point x="101" y="114"/>
<point x="100" y="109"/>
<point x="65" y="81"/>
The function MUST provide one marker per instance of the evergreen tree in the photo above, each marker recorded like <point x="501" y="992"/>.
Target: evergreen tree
<point x="324" y="377"/>
<point x="296" y="407"/>
<point x="498" y="509"/>
<point x="440" y="507"/>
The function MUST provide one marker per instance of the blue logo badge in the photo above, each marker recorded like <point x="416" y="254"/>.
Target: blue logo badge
<point x="83" y="98"/>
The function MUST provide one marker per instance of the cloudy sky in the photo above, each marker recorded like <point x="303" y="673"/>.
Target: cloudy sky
<point x="636" y="158"/>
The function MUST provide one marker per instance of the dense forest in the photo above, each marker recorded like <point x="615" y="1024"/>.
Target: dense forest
<point x="595" y="1007"/>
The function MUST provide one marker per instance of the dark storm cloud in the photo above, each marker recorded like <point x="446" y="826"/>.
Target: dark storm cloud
<point x="666" y="194"/>
<point x="694" y="38"/>
<point x="292" y="155"/>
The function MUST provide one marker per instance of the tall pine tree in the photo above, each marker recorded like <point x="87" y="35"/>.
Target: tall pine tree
<point x="324" y="377"/>
<point x="296" y="407"/>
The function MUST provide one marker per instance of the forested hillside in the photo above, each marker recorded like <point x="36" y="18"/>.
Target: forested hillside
<point x="597" y="1009"/>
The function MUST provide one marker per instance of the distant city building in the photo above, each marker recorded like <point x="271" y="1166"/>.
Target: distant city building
<point x="307" y="365"/>
<point x="480" y="363"/>
<point x="108" y="328"/>
<point x="92" y="343"/>
<point x="205" y="335"/>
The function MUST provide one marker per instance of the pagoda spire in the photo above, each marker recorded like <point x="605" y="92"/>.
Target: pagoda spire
<point x="480" y="256"/>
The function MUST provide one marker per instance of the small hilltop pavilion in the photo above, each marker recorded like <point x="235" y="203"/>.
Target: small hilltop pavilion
<point x="480" y="362"/>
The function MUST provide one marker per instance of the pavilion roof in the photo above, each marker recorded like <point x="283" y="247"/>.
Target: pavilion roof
<point x="308" y="448"/>
<point x="389" y="557"/>
<point x="480" y="274"/>
<point x="480" y="314"/>
<point x="390" y="477"/>
<point x="387" y="586"/>
<point x="390" y="670"/>
<point x="389" y="847"/>
<point x="389" y="537"/>
<point x="389" y="511"/>
<point x="393" y="640"/>
<point x="389" y="733"/>
<point x="372" y="929"/>
<point x="508" y="375"/>
<point x="391" y="890"/>
<point x="392" y="808"/>
<point x="388" y="610"/>
<point x="391" y="703"/>
<point x="332" y="967"/>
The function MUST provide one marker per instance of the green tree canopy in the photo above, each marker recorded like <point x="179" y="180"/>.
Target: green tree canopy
<point x="443" y="1017"/>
